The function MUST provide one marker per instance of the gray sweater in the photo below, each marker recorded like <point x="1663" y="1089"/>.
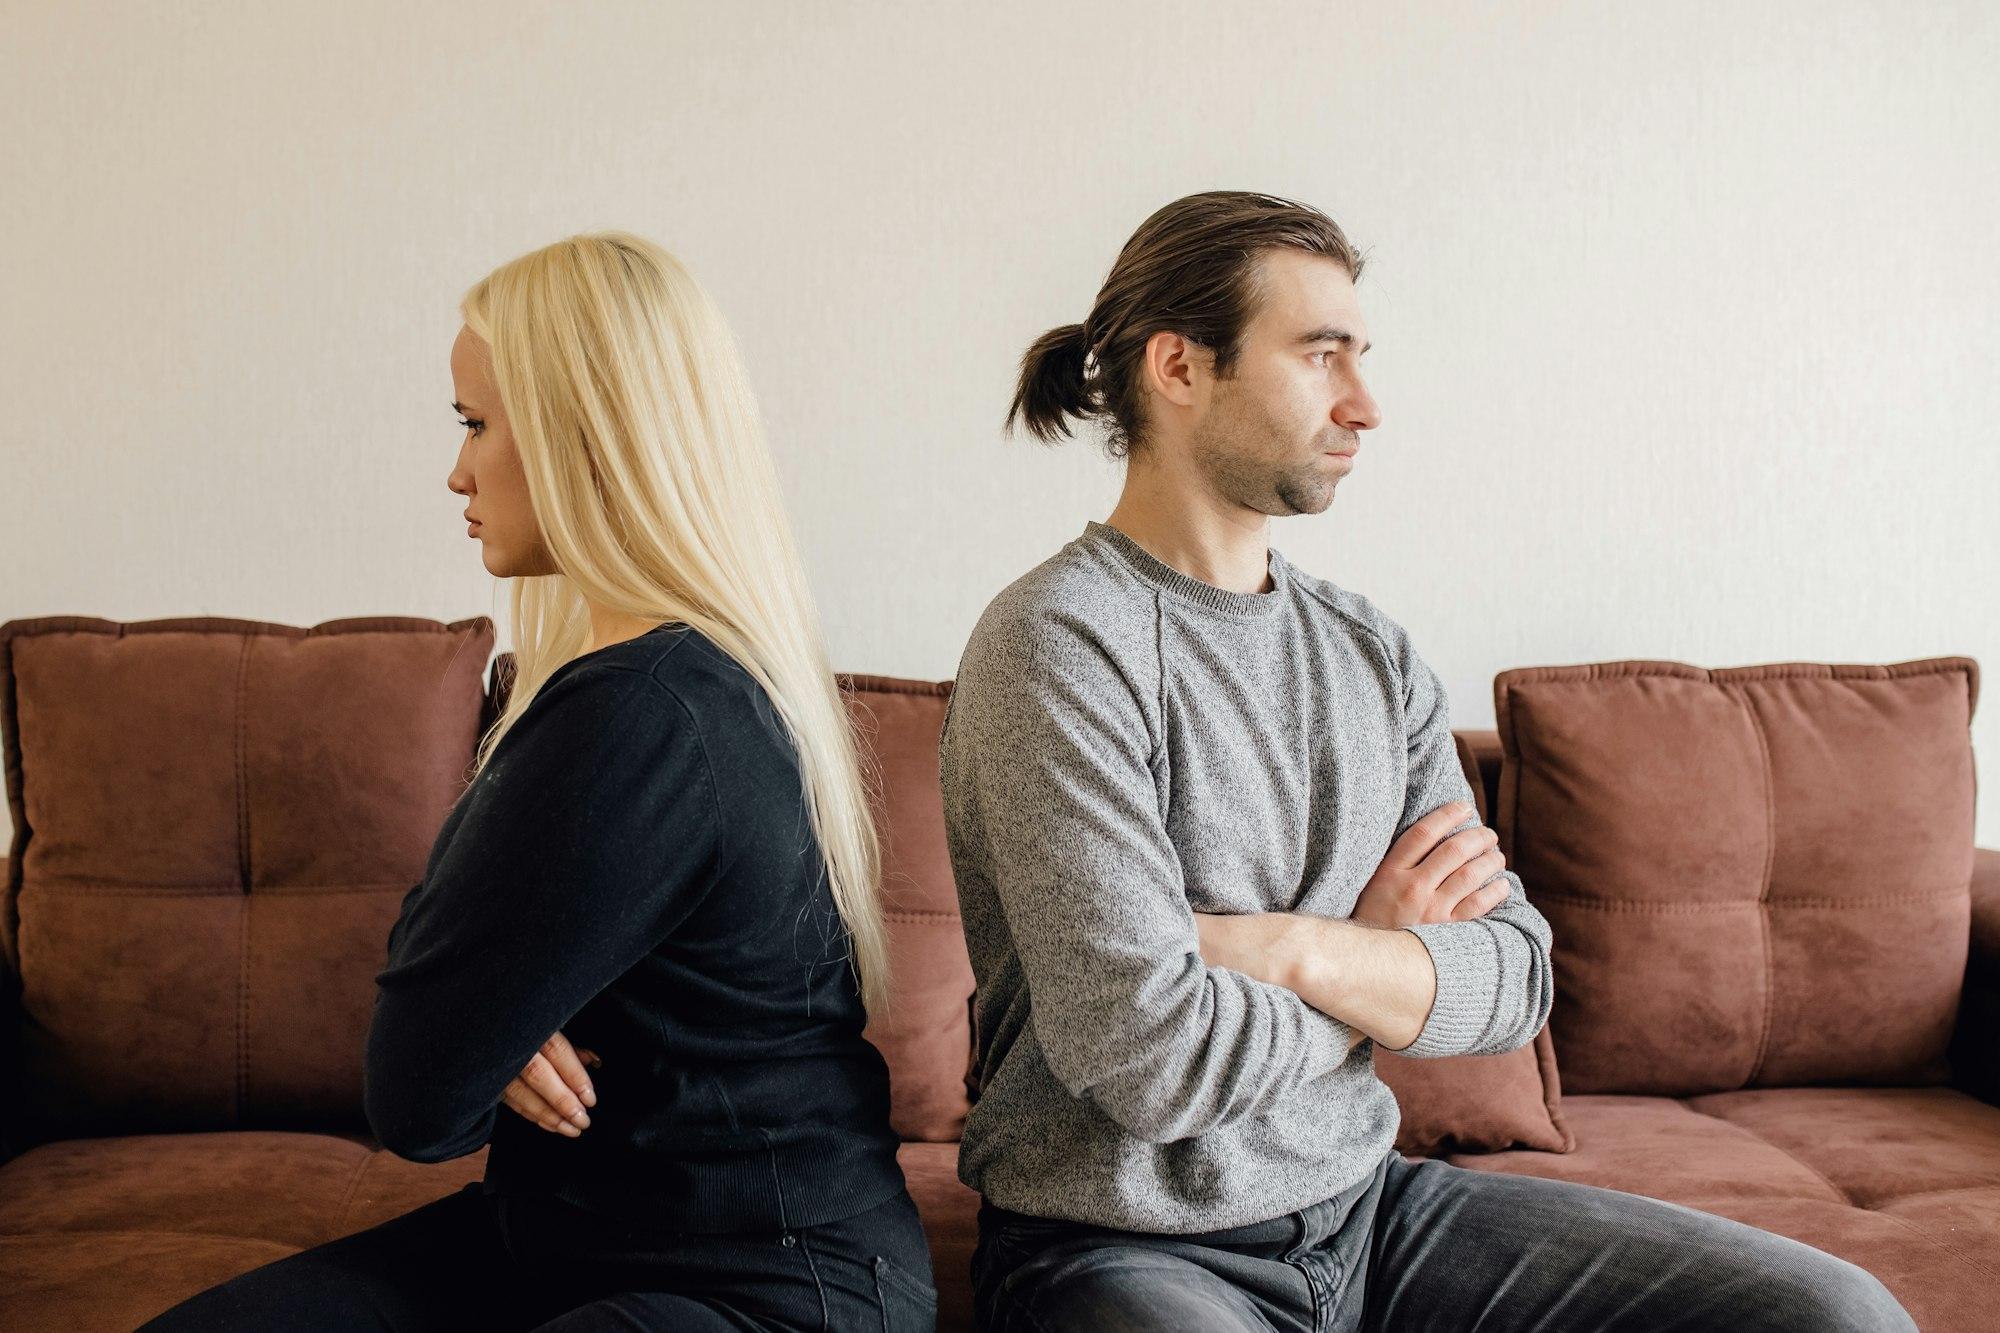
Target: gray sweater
<point x="1126" y="746"/>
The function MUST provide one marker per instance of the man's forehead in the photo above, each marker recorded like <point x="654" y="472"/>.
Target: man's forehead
<point x="1303" y="292"/>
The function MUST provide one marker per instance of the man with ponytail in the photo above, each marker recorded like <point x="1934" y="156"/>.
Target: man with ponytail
<point x="1213" y="844"/>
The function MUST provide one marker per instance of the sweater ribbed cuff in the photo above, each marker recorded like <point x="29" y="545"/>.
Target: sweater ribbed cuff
<point x="1467" y="960"/>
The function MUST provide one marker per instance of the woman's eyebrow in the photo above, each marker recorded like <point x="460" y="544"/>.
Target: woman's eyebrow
<point x="460" y="408"/>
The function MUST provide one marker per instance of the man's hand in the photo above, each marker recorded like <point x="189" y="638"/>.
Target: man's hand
<point x="1428" y="877"/>
<point x="553" y="1089"/>
<point x="1380" y="984"/>
<point x="1425" y="877"/>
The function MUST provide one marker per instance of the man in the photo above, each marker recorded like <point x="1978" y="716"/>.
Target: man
<point x="1212" y="841"/>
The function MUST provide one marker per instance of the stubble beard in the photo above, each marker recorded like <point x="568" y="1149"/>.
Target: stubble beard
<point x="1226" y="449"/>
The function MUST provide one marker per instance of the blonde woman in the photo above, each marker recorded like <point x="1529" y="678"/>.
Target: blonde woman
<point x="648" y="935"/>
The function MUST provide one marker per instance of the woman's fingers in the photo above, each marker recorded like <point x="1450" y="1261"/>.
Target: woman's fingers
<point x="526" y="1102"/>
<point x="542" y="1079"/>
<point x="552" y="1090"/>
<point x="560" y="1054"/>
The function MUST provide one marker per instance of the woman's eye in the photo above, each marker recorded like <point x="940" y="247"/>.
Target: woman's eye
<point x="474" y="426"/>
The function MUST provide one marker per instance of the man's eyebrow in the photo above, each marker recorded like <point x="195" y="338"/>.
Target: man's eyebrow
<point x="1329" y="334"/>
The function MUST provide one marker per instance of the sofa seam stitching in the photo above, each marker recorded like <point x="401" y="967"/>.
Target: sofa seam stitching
<point x="1969" y="1257"/>
<point x="347" y="1196"/>
<point x="1841" y="1194"/>
<point x="1764" y="890"/>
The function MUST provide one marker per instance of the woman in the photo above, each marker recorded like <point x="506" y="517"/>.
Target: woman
<point x="638" y="960"/>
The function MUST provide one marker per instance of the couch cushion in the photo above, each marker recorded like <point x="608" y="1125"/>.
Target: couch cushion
<point x="951" y="1223"/>
<point x="1664" y="1148"/>
<point x="106" y="1233"/>
<point x="1903" y="1181"/>
<point x="288" y="1189"/>
<point x="216" y="821"/>
<point x="926" y="1033"/>
<point x="1478" y="1103"/>
<point x="1947" y="1286"/>
<point x="1873" y="1146"/>
<point x="1756" y="876"/>
<point x="105" y="1282"/>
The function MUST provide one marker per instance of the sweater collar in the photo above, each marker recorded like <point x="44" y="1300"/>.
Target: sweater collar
<point x="1157" y="573"/>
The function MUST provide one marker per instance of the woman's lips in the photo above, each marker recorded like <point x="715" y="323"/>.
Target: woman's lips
<point x="472" y="529"/>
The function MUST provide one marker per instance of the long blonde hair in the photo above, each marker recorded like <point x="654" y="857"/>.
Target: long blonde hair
<point x="648" y="472"/>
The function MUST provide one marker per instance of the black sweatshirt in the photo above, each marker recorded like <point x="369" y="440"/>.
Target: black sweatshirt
<point x="635" y="867"/>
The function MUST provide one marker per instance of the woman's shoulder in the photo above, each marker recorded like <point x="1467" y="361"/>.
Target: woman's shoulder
<point x="690" y="678"/>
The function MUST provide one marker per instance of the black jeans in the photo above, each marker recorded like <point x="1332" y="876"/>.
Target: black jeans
<point x="1427" y="1245"/>
<point x="473" y="1261"/>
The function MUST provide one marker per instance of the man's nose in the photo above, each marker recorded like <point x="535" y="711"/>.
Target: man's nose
<point x="1358" y="410"/>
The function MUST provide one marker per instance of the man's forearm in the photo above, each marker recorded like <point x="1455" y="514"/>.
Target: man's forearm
<point x="1379" y="981"/>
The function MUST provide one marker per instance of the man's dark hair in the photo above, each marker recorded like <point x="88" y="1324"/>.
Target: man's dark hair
<point x="1191" y="269"/>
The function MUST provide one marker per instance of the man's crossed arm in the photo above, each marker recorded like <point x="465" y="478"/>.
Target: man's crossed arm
<point x="1443" y="955"/>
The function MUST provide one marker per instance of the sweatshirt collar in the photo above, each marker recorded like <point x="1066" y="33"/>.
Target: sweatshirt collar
<point x="1159" y="574"/>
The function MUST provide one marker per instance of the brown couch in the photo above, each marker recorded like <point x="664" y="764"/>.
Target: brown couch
<point x="215" y="821"/>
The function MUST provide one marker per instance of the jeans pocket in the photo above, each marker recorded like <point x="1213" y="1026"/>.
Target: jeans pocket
<point x="908" y="1303"/>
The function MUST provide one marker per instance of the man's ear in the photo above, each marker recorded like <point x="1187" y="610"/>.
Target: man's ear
<point x="1174" y="367"/>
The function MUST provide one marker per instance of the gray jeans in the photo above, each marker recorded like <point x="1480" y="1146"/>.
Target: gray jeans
<point x="1424" y="1244"/>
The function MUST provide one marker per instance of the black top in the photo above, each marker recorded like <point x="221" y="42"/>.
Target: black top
<point x="635" y="867"/>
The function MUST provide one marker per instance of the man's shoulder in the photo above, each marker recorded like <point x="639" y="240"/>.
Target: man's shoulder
<point x="1078" y="594"/>
<point x="1369" y="625"/>
<point x="1353" y="611"/>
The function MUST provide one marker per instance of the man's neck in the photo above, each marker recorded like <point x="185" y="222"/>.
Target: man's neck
<point x="1201" y="535"/>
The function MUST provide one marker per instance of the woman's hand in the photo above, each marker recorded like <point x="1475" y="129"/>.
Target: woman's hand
<point x="553" y="1089"/>
<point x="1427" y="877"/>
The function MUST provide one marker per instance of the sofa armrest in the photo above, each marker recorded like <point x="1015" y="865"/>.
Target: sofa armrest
<point x="1975" y="1046"/>
<point x="10" y="1041"/>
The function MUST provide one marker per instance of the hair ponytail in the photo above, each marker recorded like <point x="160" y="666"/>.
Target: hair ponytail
<point x="1051" y="385"/>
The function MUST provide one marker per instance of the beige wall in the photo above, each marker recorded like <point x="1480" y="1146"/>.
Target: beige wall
<point x="1684" y="314"/>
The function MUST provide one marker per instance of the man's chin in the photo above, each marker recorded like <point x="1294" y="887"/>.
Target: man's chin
<point x="1312" y="498"/>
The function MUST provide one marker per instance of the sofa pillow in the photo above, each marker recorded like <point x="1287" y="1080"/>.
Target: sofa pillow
<point x="925" y="1034"/>
<point x="1478" y="1103"/>
<point x="1757" y="876"/>
<point x="215" y="823"/>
